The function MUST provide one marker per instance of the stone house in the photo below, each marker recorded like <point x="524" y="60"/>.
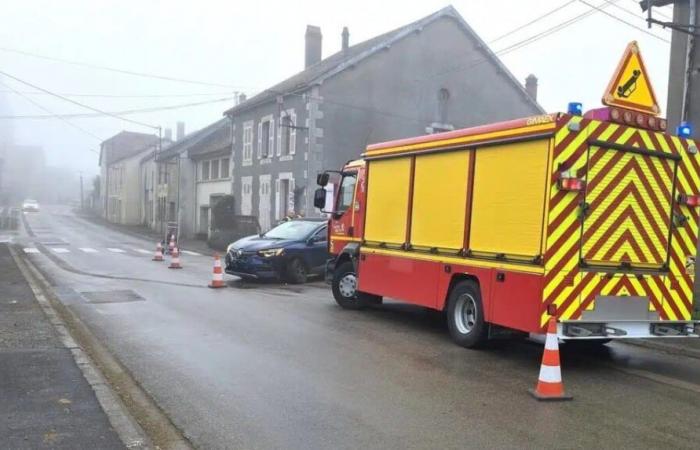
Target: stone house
<point x="119" y="162"/>
<point x="431" y="75"/>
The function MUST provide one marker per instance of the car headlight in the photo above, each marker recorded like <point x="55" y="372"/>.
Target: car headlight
<point x="271" y="252"/>
<point x="228" y="249"/>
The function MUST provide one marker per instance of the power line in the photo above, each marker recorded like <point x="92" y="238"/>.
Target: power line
<point x="624" y="21"/>
<point x="200" y="94"/>
<point x="82" y="105"/>
<point x="124" y="112"/>
<point x="535" y="20"/>
<point x="113" y="69"/>
<point x="38" y="105"/>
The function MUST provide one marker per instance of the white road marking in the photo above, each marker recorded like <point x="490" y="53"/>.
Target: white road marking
<point x="31" y="250"/>
<point x="187" y="252"/>
<point x="140" y="250"/>
<point x="60" y="250"/>
<point x="88" y="250"/>
<point x="116" y="250"/>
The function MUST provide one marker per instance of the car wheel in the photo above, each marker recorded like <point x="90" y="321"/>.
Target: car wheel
<point x="345" y="291"/>
<point x="296" y="271"/>
<point x="465" y="315"/>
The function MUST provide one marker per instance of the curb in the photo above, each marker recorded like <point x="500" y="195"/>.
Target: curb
<point x="660" y="346"/>
<point x="113" y="385"/>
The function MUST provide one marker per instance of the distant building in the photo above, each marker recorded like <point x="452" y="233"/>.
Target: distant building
<point x="120" y="158"/>
<point x="432" y="75"/>
<point x="195" y="171"/>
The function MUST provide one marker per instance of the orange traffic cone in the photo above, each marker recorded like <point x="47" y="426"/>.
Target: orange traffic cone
<point x="171" y="245"/>
<point x="175" y="259"/>
<point x="217" y="279"/>
<point x="158" y="256"/>
<point x="549" y="384"/>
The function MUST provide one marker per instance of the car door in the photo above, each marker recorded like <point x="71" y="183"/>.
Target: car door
<point x="318" y="247"/>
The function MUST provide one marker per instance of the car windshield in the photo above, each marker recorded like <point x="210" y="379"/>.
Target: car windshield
<point x="295" y="229"/>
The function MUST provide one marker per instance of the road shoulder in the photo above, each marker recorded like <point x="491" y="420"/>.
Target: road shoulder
<point x="138" y="421"/>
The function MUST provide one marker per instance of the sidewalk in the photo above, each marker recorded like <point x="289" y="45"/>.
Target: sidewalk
<point x="193" y="245"/>
<point x="45" y="400"/>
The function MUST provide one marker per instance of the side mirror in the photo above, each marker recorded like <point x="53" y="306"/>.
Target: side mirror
<point x="322" y="179"/>
<point x="320" y="198"/>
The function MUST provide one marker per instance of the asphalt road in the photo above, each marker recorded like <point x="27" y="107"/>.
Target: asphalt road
<point x="272" y="366"/>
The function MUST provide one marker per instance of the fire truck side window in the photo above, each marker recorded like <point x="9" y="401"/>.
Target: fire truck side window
<point x="347" y="191"/>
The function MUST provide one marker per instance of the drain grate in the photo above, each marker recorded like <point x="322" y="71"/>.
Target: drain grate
<point x="123" y="296"/>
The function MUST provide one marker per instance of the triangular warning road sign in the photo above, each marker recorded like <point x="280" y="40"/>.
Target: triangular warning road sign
<point x="630" y="87"/>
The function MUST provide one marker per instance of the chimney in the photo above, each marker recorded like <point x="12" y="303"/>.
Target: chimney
<point x="345" y="38"/>
<point x="531" y="86"/>
<point x="168" y="135"/>
<point x="313" y="45"/>
<point x="180" y="130"/>
<point x="242" y="98"/>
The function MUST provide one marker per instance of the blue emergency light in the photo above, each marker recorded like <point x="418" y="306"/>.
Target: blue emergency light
<point x="684" y="130"/>
<point x="575" y="108"/>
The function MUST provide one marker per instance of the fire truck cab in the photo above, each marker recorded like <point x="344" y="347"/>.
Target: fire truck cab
<point x="589" y="218"/>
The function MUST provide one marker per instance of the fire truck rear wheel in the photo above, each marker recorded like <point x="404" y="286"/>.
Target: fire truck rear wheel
<point x="465" y="315"/>
<point x="345" y="288"/>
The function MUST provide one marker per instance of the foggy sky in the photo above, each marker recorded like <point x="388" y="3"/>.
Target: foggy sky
<point x="251" y="45"/>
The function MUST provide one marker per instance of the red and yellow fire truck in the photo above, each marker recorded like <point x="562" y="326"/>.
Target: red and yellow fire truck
<point x="591" y="218"/>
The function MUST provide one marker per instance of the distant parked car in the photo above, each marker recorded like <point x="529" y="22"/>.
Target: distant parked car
<point x="291" y="251"/>
<point x="30" y="206"/>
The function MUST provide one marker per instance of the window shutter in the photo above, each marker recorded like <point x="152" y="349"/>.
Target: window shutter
<point x="259" y="140"/>
<point x="293" y="135"/>
<point x="280" y="133"/>
<point x="271" y="147"/>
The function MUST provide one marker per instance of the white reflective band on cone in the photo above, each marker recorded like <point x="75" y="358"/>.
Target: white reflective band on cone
<point x="551" y="343"/>
<point x="550" y="374"/>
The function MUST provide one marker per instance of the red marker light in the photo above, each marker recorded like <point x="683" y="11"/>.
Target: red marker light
<point x="689" y="200"/>
<point x="569" y="183"/>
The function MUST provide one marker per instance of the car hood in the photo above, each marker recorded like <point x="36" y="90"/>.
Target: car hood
<point x="255" y="243"/>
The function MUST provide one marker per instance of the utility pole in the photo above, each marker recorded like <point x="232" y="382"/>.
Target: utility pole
<point x="684" y="74"/>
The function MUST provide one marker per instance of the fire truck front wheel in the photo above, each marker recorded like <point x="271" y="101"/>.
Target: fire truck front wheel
<point x="465" y="315"/>
<point x="345" y="288"/>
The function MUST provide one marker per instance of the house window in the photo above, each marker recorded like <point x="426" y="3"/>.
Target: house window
<point x="214" y="169"/>
<point x="225" y="171"/>
<point x="205" y="170"/>
<point x="248" y="142"/>
<point x="287" y="141"/>
<point x="266" y="137"/>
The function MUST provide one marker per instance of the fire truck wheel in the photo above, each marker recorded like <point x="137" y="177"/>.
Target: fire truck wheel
<point x="465" y="315"/>
<point x="345" y="287"/>
<point x="296" y="271"/>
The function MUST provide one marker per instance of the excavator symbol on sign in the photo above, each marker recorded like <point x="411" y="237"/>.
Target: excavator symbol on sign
<point x="630" y="85"/>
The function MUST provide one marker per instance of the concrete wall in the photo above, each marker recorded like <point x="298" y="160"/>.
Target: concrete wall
<point x="396" y="92"/>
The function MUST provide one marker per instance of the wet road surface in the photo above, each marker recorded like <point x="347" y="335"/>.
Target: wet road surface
<point x="272" y="366"/>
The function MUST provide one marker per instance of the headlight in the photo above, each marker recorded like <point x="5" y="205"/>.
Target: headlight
<point x="271" y="252"/>
<point x="228" y="249"/>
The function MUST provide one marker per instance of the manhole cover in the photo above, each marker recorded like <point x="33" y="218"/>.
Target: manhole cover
<point x="113" y="296"/>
